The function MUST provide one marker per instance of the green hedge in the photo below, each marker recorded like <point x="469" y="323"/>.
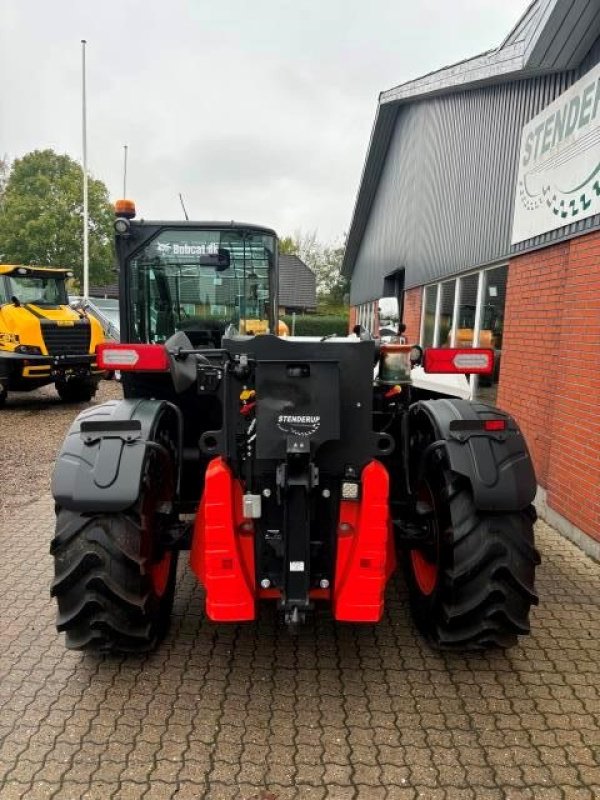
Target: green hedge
<point x="314" y="325"/>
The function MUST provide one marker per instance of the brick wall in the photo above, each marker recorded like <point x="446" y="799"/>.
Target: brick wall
<point x="352" y="318"/>
<point x="412" y="314"/>
<point x="550" y="371"/>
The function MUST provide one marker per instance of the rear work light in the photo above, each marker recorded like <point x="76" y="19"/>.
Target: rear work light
<point x="469" y="360"/>
<point x="133" y="357"/>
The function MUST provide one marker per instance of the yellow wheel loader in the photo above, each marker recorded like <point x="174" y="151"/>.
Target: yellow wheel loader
<point x="42" y="339"/>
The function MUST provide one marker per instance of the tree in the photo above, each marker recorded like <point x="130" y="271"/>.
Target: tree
<point x="41" y="216"/>
<point x="324" y="260"/>
<point x="4" y="172"/>
<point x="332" y="286"/>
<point x="287" y="246"/>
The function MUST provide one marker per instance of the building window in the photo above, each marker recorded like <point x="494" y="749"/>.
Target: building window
<point x="429" y="306"/>
<point x="468" y="312"/>
<point x="467" y="307"/>
<point x="448" y="290"/>
<point x="491" y="326"/>
<point x="366" y="317"/>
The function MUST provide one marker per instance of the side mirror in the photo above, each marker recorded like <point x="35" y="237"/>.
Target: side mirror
<point x="183" y="369"/>
<point x="218" y="261"/>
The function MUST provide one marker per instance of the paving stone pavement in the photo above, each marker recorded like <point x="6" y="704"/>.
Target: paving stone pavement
<point x="338" y="711"/>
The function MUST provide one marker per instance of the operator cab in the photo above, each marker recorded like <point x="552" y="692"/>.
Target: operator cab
<point x="201" y="278"/>
<point x="43" y="287"/>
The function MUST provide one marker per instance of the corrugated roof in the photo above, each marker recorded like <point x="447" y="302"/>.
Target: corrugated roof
<point x="297" y="283"/>
<point x="110" y="290"/>
<point x="524" y="26"/>
<point x="552" y="36"/>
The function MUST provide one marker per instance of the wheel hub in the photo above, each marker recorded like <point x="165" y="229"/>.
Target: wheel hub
<point x="159" y="574"/>
<point x="425" y="572"/>
<point x="425" y="562"/>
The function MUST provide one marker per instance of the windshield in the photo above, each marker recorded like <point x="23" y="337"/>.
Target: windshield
<point x="171" y="290"/>
<point x="39" y="291"/>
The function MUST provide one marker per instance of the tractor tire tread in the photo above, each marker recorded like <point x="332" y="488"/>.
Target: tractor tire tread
<point x="105" y="602"/>
<point x="486" y="582"/>
<point x="487" y="594"/>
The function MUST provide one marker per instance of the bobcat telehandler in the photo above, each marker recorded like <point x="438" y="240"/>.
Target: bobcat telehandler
<point x="297" y="471"/>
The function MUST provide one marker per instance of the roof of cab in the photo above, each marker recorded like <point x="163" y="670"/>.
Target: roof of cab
<point x="212" y="225"/>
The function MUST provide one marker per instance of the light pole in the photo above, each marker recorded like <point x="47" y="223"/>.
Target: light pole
<point x="124" y="171"/>
<point x="86" y="242"/>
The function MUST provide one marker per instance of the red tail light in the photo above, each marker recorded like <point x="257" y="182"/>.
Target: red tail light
<point x="133" y="357"/>
<point x="467" y="360"/>
<point x="494" y="425"/>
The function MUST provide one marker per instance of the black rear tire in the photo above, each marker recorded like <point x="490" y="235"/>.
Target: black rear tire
<point x="474" y="588"/>
<point x="114" y="580"/>
<point x="108" y="597"/>
<point x="77" y="390"/>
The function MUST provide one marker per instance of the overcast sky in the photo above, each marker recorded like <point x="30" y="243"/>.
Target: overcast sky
<point x="256" y="111"/>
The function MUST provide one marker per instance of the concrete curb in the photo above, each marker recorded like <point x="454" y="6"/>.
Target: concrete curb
<point x="585" y="542"/>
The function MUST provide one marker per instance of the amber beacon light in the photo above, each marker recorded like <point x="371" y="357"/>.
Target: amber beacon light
<point x="125" y="208"/>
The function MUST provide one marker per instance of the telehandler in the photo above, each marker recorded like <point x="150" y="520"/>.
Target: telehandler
<point x="297" y="471"/>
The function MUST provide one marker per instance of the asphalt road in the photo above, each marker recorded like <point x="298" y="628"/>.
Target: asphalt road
<point x="249" y="712"/>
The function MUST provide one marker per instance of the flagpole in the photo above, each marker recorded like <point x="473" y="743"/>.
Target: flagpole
<point x="124" y="170"/>
<point x="86" y="243"/>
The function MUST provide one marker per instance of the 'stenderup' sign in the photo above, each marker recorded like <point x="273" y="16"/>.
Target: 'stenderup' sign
<point x="559" y="163"/>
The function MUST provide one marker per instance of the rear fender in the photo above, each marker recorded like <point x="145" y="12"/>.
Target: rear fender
<point x="101" y="462"/>
<point x="496" y="463"/>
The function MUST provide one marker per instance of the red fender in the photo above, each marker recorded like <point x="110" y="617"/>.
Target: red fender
<point x="365" y="550"/>
<point x="222" y="551"/>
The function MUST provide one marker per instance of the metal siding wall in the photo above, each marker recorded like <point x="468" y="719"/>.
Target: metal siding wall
<point x="445" y="197"/>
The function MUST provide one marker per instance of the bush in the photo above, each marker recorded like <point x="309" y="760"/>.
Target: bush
<point x="314" y="325"/>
